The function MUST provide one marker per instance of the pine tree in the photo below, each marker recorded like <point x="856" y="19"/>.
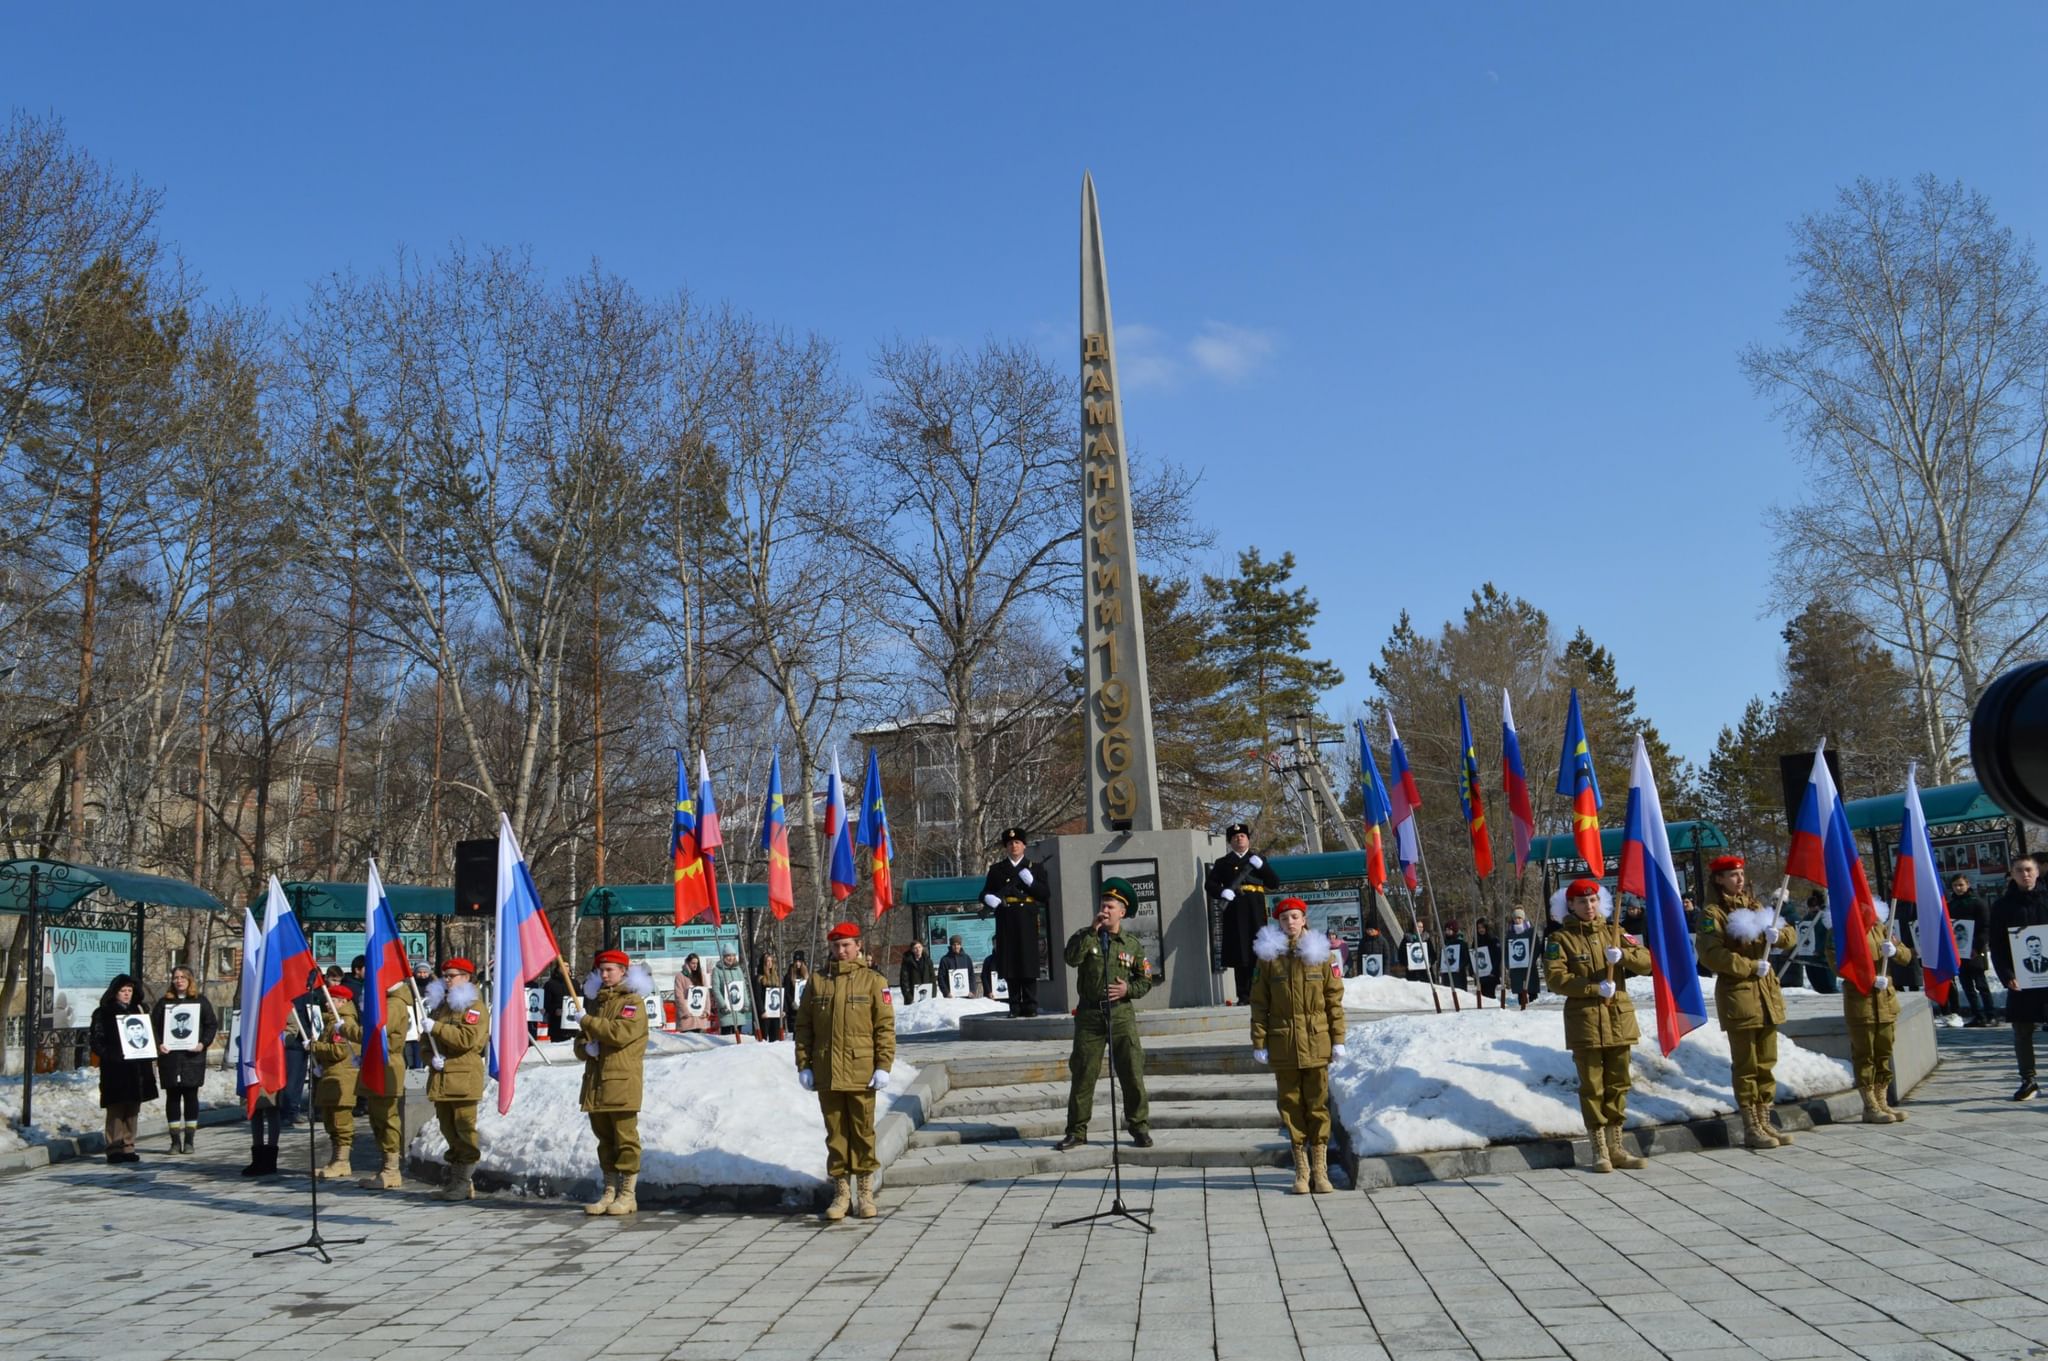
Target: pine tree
<point x="1262" y="644"/>
<point x="1204" y="739"/>
<point x="1740" y="791"/>
<point x="1844" y="685"/>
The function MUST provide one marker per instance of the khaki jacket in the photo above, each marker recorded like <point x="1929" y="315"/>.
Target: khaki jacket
<point x="338" y="1050"/>
<point x="1883" y="1003"/>
<point x="1574" y="967"/>
<point x="1297" y="1010"/>
<point x="1742" y="1000"/>
<point x="616" y="1022"/>
<point x="845" y="1030"/>
<point x="459" y="1035"/>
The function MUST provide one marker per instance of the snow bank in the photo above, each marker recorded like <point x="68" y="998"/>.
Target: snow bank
<point x="69" y="1103"/>
<point x="719" y="1114"/>
<point x="1396" y="994"/>
<point x="935" y="1015"/>
<point x="1412" y="1084"/>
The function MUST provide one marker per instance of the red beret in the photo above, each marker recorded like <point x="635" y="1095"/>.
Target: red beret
<point x="1290" y="905"/>
<point x="1721" y="864"/>
<point x="1583" y="888"/>
<point x="459" y="964"/>
<point x="844" y="931"/>
<point x="337" y="991"/>
<point x="618" y="957"/>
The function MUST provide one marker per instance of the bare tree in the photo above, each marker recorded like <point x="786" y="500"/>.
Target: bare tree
<point x="1915" y="384"/>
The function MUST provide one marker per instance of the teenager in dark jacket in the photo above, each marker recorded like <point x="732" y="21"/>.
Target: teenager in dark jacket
<point x="2023" y="904"/>
<point x="179" y="1068"/>
<point x="956" y="958"/>
<point x="1973" y="973"/>
<point x="125" y="1083"/>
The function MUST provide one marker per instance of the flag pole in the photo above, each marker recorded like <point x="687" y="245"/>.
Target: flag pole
<point x="1436" y="920"/>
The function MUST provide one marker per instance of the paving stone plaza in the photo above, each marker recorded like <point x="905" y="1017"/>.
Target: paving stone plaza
<point x="1920" y="1240"/>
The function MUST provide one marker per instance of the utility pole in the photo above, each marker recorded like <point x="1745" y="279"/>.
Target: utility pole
<point x="1319" y="800"/>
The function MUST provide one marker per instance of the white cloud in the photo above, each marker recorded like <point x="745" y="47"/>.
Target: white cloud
<point x="1230" y="352"/>
<point x="1144" y="358"/>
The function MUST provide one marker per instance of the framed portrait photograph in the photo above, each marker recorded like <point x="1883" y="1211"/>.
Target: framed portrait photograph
<point x="1372" y="966"/>
<point x="771" y="1003"/>
<point x="698" y="1001"/>
<point x="1518" y="952"/>
<point x="2029" y="957"/>
<point x="1966" y="938"/>
<point x="960" y="981"/>
<point x="735" y="996"/>
<point x="922" y="991"/>
<point x="1418" y="957"/>
<point x="138" y="1041"/>
<point x="1454" y="955"/>
<point x="1482" y="961"/>
<point x="181" y="1026"/>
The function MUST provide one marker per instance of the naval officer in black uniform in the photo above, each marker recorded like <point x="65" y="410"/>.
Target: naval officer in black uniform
<point x="1017" y="889"/>
<point x="1242" y="879"/>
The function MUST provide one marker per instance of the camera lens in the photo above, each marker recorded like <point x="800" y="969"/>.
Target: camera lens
<point x="2009" y="741"/>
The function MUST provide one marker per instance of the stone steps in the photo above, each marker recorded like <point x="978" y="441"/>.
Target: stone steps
<point x="1002" y="1161"/>
<point x="969" y="1102"/>
<point x="1051" y="1121"/>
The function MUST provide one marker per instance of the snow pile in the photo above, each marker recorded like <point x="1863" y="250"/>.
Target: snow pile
<point x="721" y="1115"/>
<point x="1412" y="1084"/>
<point x="1365" y="993"/>
<point x="69" y="1103"/>
<point x="937" y="1015"/>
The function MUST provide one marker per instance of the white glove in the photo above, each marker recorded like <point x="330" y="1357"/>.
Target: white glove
<point x="1336" y="1051"/>
<point x="990" y="900"/>
<point x="1228" y="894"/>
<point x="590" y="1048"/>
<point x="1890" y="948"/>
<point x="1614" y="954"/>
<point x="1025" y="875"/>
<point x="1606" y="988"/>
<point x="1763" y="968"/>
<point x="1258" y="1056"/>
<point x="878" y="1081"/>
<point x="438" y="1063"/>
<point x="1884" y="980"/>
<point x="809" y="1082"/>
<point x="1256" y="862"/>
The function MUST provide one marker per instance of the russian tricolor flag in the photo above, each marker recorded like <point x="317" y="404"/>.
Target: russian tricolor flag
<point x="1916" y="882"/>
<point x="1648" y="872"/>
<point x="270" y="979"/>
<point x="1404" y="800"/>
<point x="386" y="968"/>
<point x="1824" y="852"/>
<point x="838" y="837"/>
<point x="523" y="945"/>
<point x="1515" y="785"/>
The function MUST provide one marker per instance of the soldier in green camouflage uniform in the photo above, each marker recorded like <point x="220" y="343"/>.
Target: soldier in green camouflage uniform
<point x="1119" y="977"/>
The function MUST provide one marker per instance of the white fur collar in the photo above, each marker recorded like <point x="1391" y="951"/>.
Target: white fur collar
<point x="1745" y="924"/>
<point x="638" y="981"/>
<point x="1271" y="942"/>
<point x="1559" y="909"/>
<point x="1884" y="911"/>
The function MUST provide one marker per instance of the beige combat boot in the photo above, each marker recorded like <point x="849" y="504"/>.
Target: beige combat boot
<point x="1319" y="1170"/>
<point x="1763" y="1115"/>
<point x="1756" y="1132"/>
<point x="337" y="1164"/>
<point x="1596" y="1143"/>
<point x="842" y="1196"/>
<point x="1883" y="1100"/>
<point x="628" y="1199"/>
<point x="1618" y="1154"/>
<point x="603" y="1203"/>
<point x="1873" y="1108"/>
<point x="384" y="1179"/>
<point x="458" y="1185"/>
<point x="864" y="1202"/>
<point x="1300" y="1187"/>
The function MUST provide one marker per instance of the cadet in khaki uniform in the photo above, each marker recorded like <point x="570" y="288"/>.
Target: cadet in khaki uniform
<point x="614" y="1039"/>
<point x="456" y="1033"/>
<point x="1109" y="964"/>
<point x="386" y="1121"/>
<point x="1737" y="934"/>
<point x="1298" y="1027"/>
<point x="845" y="1046"/>
<point x="338" y="1050"/>
<point x="1871" y="1018"/>
<point x="1587" y="961"/>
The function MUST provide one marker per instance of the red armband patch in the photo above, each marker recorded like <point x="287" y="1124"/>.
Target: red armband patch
<point x="472" y="1016"/>
<point x="628" y="1012"/>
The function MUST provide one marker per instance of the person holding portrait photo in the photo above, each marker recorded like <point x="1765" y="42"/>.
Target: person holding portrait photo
<point x="127" y="1081"/>
<point x="2023" y="905"/>
<point x="1971" y="916"/>
<point x="732" y="994"/>
<point x="186" y="1025"/>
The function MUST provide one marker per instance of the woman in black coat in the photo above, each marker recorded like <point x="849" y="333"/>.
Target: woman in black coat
<point x="125" y="1083"/>
<point x="182" y="1071"/>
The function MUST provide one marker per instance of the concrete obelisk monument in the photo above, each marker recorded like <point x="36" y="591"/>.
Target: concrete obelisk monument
<point x="1124" y="836"/>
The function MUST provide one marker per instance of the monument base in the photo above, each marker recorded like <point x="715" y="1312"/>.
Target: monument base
<point x="1172" y="916"/>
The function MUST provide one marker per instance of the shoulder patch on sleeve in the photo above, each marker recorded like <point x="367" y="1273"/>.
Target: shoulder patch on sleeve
<point x="628" y="1011"/>
<point x="472" y="1016"/>
<point x="1706" y="926"/>
<point x="1552" y="950"/>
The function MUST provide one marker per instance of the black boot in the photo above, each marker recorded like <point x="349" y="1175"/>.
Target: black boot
<point x="262" y="1161"/>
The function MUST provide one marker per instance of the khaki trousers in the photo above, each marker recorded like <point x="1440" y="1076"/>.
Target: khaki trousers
<point x="1870" y="1049"/>
<point x="618" y="1139"/>
<point x="458" y="1126"/>
<point x="387" y="1123"/>
<point x="1305" y="1104"/>
<point x="340" y="1123"/>
<point x="1753" y="1059"/>
<point x="849" y="1132"/>
<point x="1604" y="1080"/>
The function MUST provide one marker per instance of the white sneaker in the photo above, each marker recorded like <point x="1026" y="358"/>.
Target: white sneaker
<point x="1952" y="1022"/>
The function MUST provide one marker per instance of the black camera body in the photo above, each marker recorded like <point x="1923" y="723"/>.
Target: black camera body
<point x="2009" y="741"/>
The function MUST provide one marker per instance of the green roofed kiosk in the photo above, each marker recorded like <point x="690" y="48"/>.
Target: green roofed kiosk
<point x="63" y="890"/>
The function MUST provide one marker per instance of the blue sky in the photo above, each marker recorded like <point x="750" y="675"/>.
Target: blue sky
<point x="1432" y="294"/>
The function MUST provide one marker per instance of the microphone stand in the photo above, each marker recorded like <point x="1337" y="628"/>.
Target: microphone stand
<point x="314" y="1242"/>
<point x="1117" y="1209"/>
